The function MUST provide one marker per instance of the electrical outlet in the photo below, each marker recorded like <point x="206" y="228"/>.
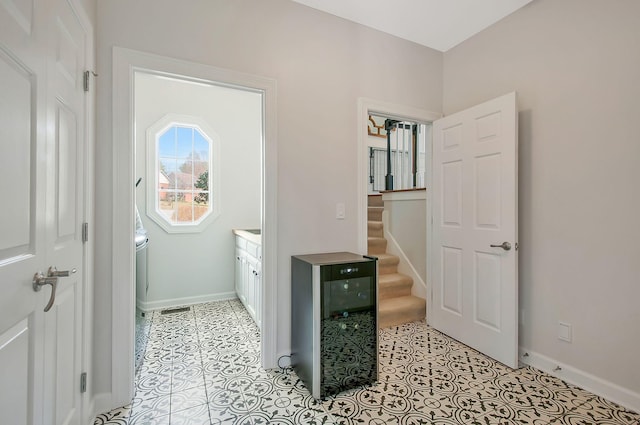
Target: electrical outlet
<point x="564" y="331"/>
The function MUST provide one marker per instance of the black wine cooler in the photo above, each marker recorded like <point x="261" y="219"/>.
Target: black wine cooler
<point x="334" y="321"/>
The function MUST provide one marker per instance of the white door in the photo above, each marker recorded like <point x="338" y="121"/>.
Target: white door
<point x="475" y="284"/>
<point x="65" y="209"/>
<point x="40" y="220"/>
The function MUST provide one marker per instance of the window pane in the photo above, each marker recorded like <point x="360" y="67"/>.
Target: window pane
<point x="185" y="142"/>
<point x="166" y="206"/>
<point x="167" y="143"/>
<point x="200" y="146"/>
<point x="184" y="207"/>
<point x="167" y="166"/>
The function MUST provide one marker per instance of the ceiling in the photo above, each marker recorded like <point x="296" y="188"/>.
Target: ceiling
<point x="439" y="24"/>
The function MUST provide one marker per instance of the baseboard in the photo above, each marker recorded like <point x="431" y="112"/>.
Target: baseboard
<point x="419" y="288"/>
<point x="582" y="379"/>
<point x="175" y="302"/>
<point x="90" y="412"/>
<point x="101" y="403"/>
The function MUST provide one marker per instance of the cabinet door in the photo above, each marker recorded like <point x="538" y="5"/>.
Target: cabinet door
<point x="251" y="288"/>
<point x="240" y="275"/>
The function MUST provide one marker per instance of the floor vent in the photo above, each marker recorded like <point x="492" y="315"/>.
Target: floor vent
<point x="175" y="310"/>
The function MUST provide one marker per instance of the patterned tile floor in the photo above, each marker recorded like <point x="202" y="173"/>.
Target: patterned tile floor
<point x="202" y="367"/>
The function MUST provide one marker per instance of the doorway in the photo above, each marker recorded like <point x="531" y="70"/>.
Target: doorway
<point x="126" y="64"/>
<point x="197" y="148"/>
<point x="472" y="176"/>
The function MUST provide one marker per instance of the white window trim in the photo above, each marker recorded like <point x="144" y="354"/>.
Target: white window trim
<point x="152" y="212"/>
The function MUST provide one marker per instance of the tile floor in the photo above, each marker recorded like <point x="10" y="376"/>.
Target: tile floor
<point x="202" y="367"/>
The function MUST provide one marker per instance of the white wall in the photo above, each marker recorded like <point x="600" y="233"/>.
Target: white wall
<point x="575" y="65"/>
<point x="407" y="214"/>
<point x="322" y="64"/>
<point x="207" y="258"/>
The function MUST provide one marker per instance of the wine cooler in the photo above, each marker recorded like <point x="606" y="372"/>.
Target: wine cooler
<point x="334" y="321"/>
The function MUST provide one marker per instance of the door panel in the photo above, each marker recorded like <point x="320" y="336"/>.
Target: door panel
<point x="22" y="218"/>
<point x="475" y="286"/>
<point x="62" y="336"/>
<point x="17" y="113"/>
<point x="67" y="175"/>
<point x="14" y="349"/>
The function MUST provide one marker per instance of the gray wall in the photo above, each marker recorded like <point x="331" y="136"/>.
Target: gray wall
<point x="575" y="65"/>
<point x="322" y="64"/>
<point x="205" y="257"/>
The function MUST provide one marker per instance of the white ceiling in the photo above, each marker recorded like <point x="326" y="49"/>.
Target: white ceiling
<point x="439" y="24"/>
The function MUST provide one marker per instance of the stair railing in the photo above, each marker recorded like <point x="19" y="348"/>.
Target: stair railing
<point x="402" y="164"/>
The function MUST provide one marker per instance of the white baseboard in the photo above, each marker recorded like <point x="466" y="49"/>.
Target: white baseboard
<point x="419" y="288"/>
<point x="582" y="379"/>
<point x="175" y="302"/>
<point x="101" y="403"/>
<point x="90" y="412"/>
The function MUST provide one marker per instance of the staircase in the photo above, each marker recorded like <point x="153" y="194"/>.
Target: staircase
<point x="396" y="305"/>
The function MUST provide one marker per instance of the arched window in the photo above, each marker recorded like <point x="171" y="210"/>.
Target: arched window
<point x="181" y="162"/>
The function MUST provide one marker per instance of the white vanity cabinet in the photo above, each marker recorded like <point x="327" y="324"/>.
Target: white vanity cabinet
<point x="248" y="267"/>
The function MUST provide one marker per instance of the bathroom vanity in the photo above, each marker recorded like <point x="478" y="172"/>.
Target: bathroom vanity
<point x="248" y="269"/>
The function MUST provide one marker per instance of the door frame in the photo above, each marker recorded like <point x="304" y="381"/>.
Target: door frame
<point x="87" y="399"/>
<point x="125" y="63"/>
<point x="368" y="106"/>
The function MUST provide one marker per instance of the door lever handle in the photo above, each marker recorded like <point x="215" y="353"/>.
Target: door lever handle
<point x="39" y="280"/>
<point x="504" y="245"/>
<point x="53" y="272"/>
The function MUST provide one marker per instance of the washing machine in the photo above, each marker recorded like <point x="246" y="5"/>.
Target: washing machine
<point x="142" y="243"/>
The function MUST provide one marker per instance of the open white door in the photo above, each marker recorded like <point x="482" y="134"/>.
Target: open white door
<point x="474" y="257"/>
<point x="42" y="114"/>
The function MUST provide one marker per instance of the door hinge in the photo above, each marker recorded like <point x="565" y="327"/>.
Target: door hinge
<point x="85" y="232"/>
<point x="87" y="77"/>
<point x="83" y="382"/>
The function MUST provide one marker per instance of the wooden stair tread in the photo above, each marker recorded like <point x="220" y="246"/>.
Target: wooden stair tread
<point x="394" y="279"/>
<point x="384" y="259"/>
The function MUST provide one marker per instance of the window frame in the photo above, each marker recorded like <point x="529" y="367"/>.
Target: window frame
<point x="153" y="134"/>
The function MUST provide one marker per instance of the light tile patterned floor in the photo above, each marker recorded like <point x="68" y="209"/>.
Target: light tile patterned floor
<point x="202" y="367"/>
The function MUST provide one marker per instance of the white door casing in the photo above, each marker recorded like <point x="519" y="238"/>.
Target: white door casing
<point x="125" y="63"/>
<point x="42" y="113"/>
<point x="474" y="205"/>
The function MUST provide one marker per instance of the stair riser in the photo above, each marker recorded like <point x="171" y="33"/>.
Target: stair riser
<point x="388" y="269"/>
<point x="378" y="247"/>
<point x="374" y="214"/>
<point x="375" y="233"/>
<point x="375" y="201"/>
<point x="386" y="293"/>
<point x="386" y="320"/>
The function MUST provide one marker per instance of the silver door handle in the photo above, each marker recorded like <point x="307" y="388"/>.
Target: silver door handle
<point x="504" y="245"/>
<point x="39" y="280"/>
<point x="53" y="272"/>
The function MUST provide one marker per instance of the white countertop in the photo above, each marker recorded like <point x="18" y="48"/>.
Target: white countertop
<point x="250" y="235"/>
